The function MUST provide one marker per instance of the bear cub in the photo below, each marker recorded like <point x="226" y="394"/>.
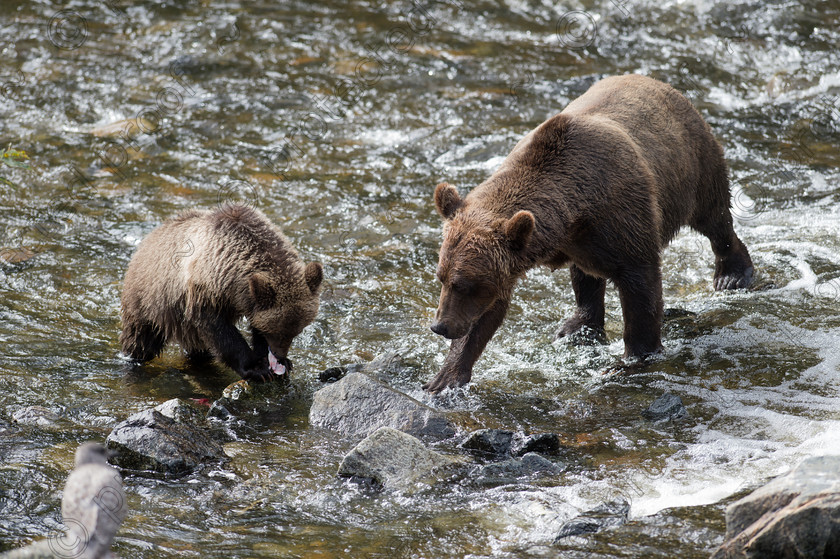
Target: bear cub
<point x="195" y="276"/>
<point x="601" y="187"/>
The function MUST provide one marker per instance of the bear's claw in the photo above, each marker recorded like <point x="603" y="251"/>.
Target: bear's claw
<point x="258" y="375"/>
<point x="734" y="280"/>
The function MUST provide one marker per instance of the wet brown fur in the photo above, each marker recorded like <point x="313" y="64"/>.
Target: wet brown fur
<point x="197" y="274"/>
<point x="604" y="186"/>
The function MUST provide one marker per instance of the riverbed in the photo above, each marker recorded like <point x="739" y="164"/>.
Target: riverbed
<point x="337" y="119"/>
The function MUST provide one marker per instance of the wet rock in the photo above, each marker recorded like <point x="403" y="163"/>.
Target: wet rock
<point x="666" y="407"/>
<point x="489" y="442"/>
<point x="219" y="411"/>
<point x="36" y="416"/>
<point x="542" y="443"/>
<point x="796" y="515"/>
<point x="334" y="374"/>
<point x="358" y="405"/>
<point x="392" y="459"/>
<point x="528" y="466"/>
<point x="250" y="398"/>
<point x="606" y="515"/>
<point x="180" y="411"/>
<point x="151" y="441"/>
<point x="386" y="366"/>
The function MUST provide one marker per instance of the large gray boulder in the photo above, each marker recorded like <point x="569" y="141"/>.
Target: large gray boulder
<point x="152" y="441"/>
<point x="391" y="459"/>
<point x="357" y="405"/>
<point x="793" y="516"/>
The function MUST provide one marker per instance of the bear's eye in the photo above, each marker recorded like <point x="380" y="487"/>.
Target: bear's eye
<point x="484" y="290"/>
<point x="461" y="286"/>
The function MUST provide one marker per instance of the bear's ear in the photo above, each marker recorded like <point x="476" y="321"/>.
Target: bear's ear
<point x="518" y="229"/>
<point x="447" y="200"/>
<point x="262" y="291"/>
<point x="314" y="275"/>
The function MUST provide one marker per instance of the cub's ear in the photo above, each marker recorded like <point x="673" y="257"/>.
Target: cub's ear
<point x="314" y="275"/>
<point x="262" y="290"/>
<point x="518" y="229"/>
<point x="447" y="200"/>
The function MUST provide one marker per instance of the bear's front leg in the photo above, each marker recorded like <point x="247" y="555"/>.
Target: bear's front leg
<point x="640" y="292"/>
<point x="587" y="324"/>
<point x="228" y="345"/>
<point x="464" y="352"/>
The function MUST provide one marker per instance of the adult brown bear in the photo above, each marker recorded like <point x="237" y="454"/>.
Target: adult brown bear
<point x="196" y="275"/>
<point x="604" y="186"/>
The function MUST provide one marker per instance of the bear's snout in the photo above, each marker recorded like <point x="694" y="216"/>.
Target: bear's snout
<point x="448" y="331"/>
<point x="440" y="329"/>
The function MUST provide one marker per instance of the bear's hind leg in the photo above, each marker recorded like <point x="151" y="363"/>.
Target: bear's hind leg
<point x="733" y="265"/>
<point x="141" y="341"/>
<point x="587" y="324"/>
<point x="640" y="291"/>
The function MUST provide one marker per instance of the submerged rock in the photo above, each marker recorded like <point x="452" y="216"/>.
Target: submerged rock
<point x="36" y="416"/>
<point x="606" y="515"/>
<point x="666" y="407"/>
<point x="542" y="443"/>
<point x="489" y="442"/>
<point x="334" y="374"/>
<point x="358" y="405"/>
<point x="509" y="471"/>
<point x="392" y="459"/>
<point x="385" y="366"/>
<point x="796" y="515"/>
<point x="252" y="398"/>
<point x="151" y="441"/>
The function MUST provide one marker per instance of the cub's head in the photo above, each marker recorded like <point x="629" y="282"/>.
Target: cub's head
<point x="475" y="267"/>
<point x="283" y="309"/>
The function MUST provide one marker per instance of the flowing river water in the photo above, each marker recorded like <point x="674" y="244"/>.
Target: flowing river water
<point x="337" y="119"/>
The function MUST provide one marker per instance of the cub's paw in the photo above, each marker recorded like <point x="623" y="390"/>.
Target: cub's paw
<point x="257" y="374"/>
<point x="447" y="378"/>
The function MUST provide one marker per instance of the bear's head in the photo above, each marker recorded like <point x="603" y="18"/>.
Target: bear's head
<point x="478" y="262"/>
<point x="283" y="307"/>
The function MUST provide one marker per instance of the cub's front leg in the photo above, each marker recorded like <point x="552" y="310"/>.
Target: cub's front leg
<point x="226" y="343"/>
